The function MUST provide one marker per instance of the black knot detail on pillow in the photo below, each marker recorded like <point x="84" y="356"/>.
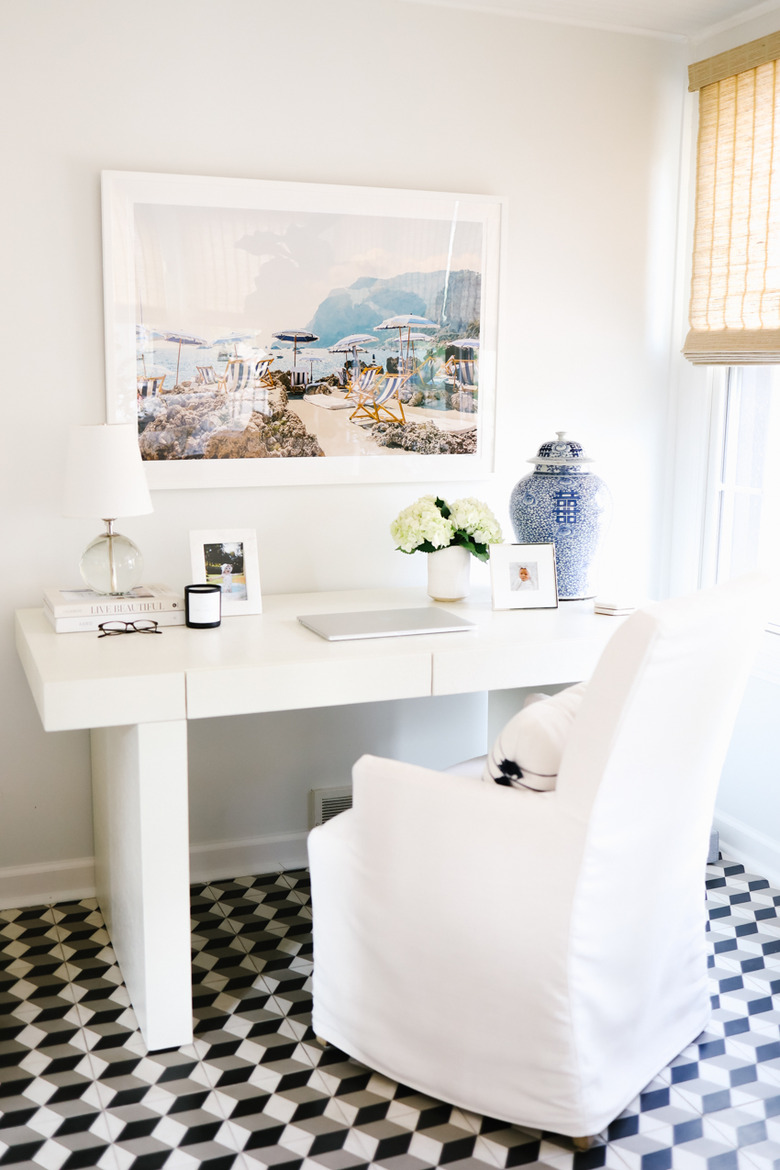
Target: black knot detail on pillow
<point x="532" y="743"/>
<point x="509" y="770"/>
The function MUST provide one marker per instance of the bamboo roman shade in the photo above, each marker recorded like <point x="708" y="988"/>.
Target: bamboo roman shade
<point x="735" y="287"/>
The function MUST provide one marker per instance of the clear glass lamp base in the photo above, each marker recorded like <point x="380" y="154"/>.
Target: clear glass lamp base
<point x="111" y="564"/>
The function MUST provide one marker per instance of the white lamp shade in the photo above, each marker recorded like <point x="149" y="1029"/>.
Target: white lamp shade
<point x="105" y="474"/>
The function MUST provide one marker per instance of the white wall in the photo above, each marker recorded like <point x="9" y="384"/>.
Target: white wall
<point x="748" y="811"/>
<point x="579" y="129"/>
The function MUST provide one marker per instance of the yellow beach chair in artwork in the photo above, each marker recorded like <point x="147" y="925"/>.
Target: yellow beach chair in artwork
<point x="263" y="373"/>
<point x="150" y="385"/>
<point x="360" y="386"/>
<point x="382" y="400"/>
<point x="460" y="373"/>
<point x="207" y="376"/>
<point x="237" y="379"/>
<point x="466" y="374"/>
<point x="237" y="376"/>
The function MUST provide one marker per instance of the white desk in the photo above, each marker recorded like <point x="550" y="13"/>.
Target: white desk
<point x="135" y="694"/>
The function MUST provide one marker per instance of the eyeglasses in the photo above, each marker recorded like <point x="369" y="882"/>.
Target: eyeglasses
<point x="142" y="626"/>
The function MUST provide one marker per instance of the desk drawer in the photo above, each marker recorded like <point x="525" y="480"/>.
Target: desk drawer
<point x="291" y="686"/>
<point x="523" y="665"/>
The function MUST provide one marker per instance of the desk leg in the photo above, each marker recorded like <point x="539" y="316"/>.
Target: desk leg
<point x="139" y="796"/>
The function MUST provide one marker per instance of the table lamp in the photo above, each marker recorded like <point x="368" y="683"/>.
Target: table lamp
<point x="105" y="478"/>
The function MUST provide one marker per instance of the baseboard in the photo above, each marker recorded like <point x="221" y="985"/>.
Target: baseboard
<point x="72" y="880"/>
<point x="742" y="843"/>
<point x="46" y="882"/>
<point x="225" y="859"/>
<point x="767" y="664"/>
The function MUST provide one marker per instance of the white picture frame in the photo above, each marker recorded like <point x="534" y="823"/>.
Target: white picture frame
<point x="170" y="263"/>
<point x="522" y="576"/>
<point x="228" y="557"/>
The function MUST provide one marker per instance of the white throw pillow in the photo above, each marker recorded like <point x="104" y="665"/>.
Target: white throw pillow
<point x="527" y="752"/>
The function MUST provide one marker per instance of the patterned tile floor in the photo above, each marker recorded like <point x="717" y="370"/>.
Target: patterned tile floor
<point x="77" y="1087"/>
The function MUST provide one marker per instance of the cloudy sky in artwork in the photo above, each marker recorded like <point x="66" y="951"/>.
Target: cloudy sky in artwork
<point x="209" y="270"/>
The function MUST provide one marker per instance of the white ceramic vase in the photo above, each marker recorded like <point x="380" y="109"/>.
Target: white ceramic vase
<point x="448" y="573"/>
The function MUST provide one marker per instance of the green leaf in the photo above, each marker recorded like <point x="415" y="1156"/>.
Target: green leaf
<point x="425" y="547"/>
<point x="480" y="551"/>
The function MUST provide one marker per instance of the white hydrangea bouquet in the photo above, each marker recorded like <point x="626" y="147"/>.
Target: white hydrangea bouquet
<point x="430" y="523"/>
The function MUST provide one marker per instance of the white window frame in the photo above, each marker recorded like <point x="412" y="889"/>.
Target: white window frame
<point x="711" y="514"/>
<point x="721" y="490"/>
<point x="696" y="419"/>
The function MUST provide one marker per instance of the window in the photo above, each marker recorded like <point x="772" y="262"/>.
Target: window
<point x="735" y="303"/>
<point x="745" y="489"/>
<point x="735" y="281"/>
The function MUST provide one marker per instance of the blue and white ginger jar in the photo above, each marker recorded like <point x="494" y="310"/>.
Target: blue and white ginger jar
<point x="563" y="501"/>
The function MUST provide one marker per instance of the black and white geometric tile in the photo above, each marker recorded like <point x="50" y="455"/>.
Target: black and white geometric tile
<point x="255" y="1089"/>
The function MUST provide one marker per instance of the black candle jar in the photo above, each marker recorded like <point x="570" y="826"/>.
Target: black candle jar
<point x="203" y="606"/>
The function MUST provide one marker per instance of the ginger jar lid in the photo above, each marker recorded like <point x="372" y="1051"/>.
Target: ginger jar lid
<point x="561" y="452"/>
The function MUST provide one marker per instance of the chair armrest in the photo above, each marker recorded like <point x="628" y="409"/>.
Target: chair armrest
<point x="443" y="828"/>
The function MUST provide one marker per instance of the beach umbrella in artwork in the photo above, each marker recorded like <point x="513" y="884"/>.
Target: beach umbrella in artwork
<point x="406" y="321"/>
<point x="469" y="344"/>
<point x="144" y="336"/>
<point x="297" y="337"/>
<point x="311" y="359"/>
<point x="182" y="339"/>
<point x="354" y="343"/>
<point x="412" y="337"/>
<point x="140" y="344"/>
<point x="233" y="339"/>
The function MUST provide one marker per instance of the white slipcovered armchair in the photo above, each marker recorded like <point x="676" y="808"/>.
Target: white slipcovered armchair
<point x="539" y="957"/>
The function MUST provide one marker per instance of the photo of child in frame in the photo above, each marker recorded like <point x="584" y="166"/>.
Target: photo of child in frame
<point x="523" y="575"/>
<point x="225" y="567"/>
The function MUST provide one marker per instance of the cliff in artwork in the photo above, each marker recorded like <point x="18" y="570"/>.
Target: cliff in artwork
<point x="452" y="301"/>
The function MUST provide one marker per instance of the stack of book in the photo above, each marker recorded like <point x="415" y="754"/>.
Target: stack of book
<point x="76" y="610"/>
<point x="613" y="607"/>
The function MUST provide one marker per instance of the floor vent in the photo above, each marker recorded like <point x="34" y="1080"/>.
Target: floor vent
<point x="325" y="803"/>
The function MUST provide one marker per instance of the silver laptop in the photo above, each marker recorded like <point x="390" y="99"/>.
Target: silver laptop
<point x="383" y="623"/>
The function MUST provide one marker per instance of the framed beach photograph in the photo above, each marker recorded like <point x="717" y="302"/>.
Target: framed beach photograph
<point x="228" y="558"/>
<point x="263" y="333"/>
<point x="523" y="576"/>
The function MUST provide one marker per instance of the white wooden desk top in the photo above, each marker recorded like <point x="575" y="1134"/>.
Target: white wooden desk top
<point x="270" y="662"/>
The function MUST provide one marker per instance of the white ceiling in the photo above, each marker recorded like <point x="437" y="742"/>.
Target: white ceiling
<point x="683" y="19"/>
